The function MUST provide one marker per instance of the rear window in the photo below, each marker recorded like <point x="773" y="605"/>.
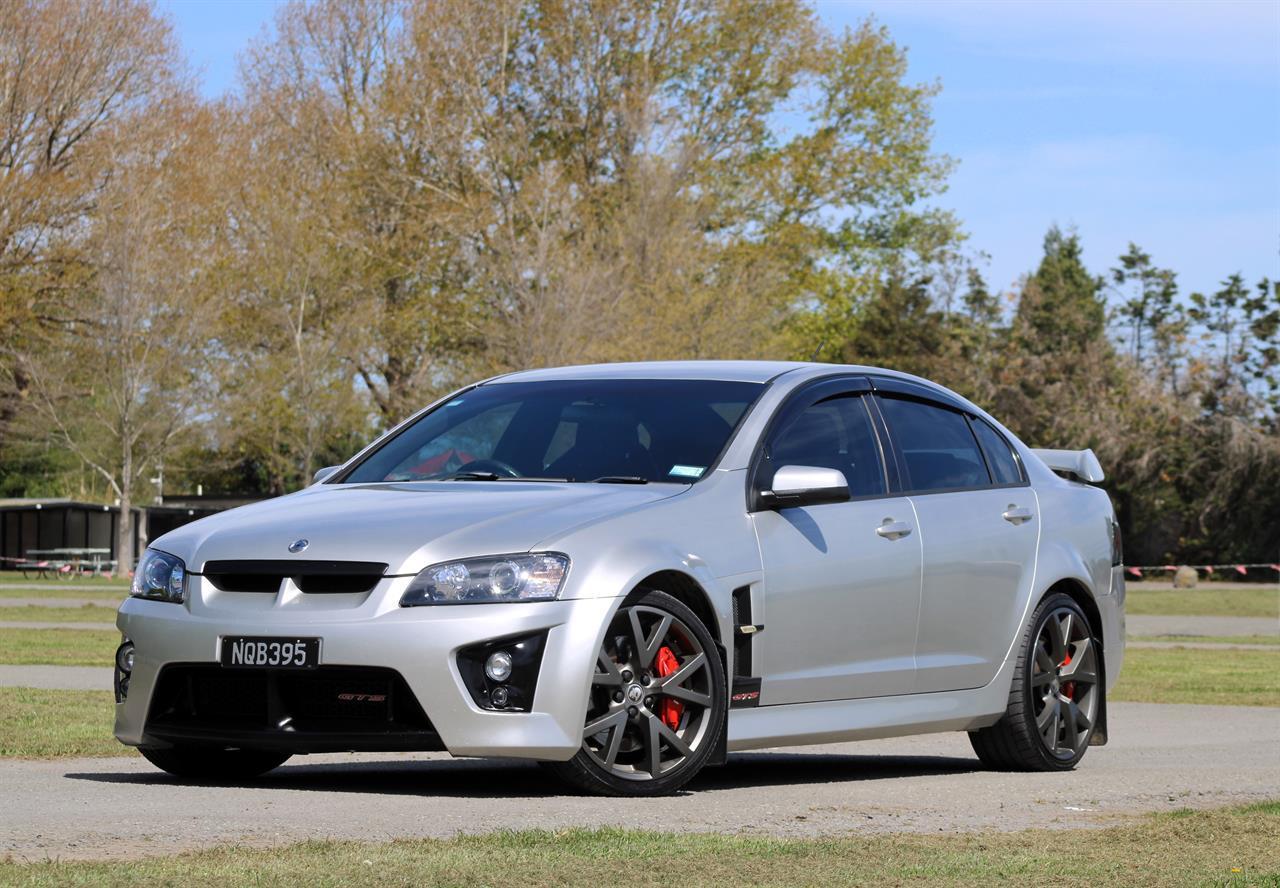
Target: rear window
<point x="939" y="450"/>
<point x="1000" y="458"/>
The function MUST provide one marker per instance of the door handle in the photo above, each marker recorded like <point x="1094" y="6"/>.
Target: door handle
<point x="893" y="530"/>
<point x="1017" y="514"/>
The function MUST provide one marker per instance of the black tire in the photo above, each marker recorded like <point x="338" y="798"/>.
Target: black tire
<point x="588" y="771"/>
<point x="1048" y="699"/>
<point x="208" y="763"/>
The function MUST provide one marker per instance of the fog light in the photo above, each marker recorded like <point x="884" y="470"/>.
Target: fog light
<point x="499" y="697"/>
<point x="123" y="670"/>
<point x="498" y="666"/>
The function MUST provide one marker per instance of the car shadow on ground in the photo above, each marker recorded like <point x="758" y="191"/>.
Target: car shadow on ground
<point x="510" y="778"/>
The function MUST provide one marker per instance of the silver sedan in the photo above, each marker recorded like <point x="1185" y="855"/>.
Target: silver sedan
<point x="628" y="571"/>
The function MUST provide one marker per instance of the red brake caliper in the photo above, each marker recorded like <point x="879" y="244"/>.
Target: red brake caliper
<point x="670" y="710"/>
<point x="1068" y="687"/>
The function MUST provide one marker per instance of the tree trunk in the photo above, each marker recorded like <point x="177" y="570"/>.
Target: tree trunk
<point x="124" y="537"/>
<point x="124" y="527"/>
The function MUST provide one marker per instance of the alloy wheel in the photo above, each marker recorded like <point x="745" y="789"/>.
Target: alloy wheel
<point x="1064" y="683"/>
<point x="651" y="695"/>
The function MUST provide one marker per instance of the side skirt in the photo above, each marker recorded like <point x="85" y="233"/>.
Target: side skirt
<point x="801" y="724"/>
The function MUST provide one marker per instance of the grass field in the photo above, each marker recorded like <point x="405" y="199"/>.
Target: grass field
<point x="106" y="596"/>
<point x="58" y="647"/>
<point x="30" y="613"/>
<point x="1221" y="600"/>
<point x="1188" y="675"/>
<point x="1234" y="846"/>
<point x="56" y="724"/>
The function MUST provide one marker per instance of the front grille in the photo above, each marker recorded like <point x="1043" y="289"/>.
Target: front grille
<point x="320" y="577"/>
<point x="329" y="708"/>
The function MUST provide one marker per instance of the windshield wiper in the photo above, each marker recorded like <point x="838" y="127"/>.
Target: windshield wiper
<point x="620" y="479"/>
<point x="494" y="476"/>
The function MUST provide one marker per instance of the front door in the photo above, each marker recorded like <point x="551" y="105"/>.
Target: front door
<point x="841" y="580"/>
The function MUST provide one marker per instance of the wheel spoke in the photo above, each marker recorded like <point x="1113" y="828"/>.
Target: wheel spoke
<point x="1057" y="645"/>
<point x="1081" y="669"/>
<point x="608" y="675"/>
<point x="1048" y="723"/>
<point x="647" y="647"/>
<point x="1040" y="679"/>
<point x="1043" y="660"/>
<point x="1079" y="719"/>
<point x="670" y="736"/>
<point x="672" y="685"/>
<point x="654" y="750"/>
<point x="612" y="719"/>
<point x="1071" y="732"/>
<point x="615" y="743"/>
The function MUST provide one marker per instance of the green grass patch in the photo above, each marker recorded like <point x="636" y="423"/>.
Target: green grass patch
<point x="58" y="647"/>
<point x="1213" y="639"/>
<point x="1213" y="601"/>
<point x="1191" y="675"/>
<point x="31" y="613"/>
<point x="1225" y="847"/>
<point x="105" y="596"/>
<point x="36" y="723"/>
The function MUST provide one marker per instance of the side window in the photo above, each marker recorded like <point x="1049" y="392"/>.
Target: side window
<point x="939" y="450"/>
<point x="1004" y="467"/>
<point x="832" y="434"/>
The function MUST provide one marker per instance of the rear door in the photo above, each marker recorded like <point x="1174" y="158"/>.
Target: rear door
<point x="979" y="530"/>
<point x="841" y="580"/>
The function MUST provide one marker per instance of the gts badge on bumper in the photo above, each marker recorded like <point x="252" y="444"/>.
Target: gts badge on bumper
<point x="240" y="651"/>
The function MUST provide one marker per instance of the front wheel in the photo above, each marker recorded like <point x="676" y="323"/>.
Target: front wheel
<point x="207" y="763"/>
<point x="657" y="702"/>
<point x="1055" y="697"/>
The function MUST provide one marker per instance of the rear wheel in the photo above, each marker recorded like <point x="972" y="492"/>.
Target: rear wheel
<point x="213" y="764"/>
<point x="1055" y="697"/>
<point x="657" y="702"/>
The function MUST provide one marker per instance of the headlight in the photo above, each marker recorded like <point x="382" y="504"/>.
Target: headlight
<point x="160" y="576"/>
<point x="537" y="577"/>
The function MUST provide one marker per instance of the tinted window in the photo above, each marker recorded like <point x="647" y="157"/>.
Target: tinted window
<point x="833" y="434"/>
<point x="939" y="450"/>
<point x="575" y="430"/>
<point x="1004" y="468"/>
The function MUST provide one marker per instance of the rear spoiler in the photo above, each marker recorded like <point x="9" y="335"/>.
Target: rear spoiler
<point x="1080" y="464"/>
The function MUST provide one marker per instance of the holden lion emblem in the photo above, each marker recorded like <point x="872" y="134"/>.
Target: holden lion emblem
<point x="298" y="545"/>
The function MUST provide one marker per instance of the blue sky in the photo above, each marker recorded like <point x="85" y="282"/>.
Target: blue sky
<point x="1156" y="122"/>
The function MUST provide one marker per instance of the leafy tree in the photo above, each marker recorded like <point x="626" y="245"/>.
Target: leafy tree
<point x="1061" y="309"/>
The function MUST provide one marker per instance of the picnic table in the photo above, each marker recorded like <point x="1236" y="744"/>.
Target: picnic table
<point x="67" y="562"/>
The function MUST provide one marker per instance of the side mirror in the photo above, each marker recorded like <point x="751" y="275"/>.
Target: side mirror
<point x="321" y="474"/>
<point x="805" y="486"/>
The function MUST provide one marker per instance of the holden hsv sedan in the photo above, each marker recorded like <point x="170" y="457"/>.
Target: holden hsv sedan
<point x="629" y="571"/>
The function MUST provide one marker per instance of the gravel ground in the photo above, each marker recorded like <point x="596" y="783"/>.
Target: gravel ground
<point x="1160" y="624"/>
<point x="1161" y="757"/>
<point x="59" y="678"/>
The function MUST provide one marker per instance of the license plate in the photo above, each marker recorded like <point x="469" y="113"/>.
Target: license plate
<point x="281" y="653"/>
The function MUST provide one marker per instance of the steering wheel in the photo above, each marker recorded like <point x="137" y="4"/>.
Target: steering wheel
<point x="497" y="466"/>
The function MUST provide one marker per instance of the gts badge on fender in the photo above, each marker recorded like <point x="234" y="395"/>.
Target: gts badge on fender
<point x="746" y="693"/>
<point x="362" y="698"/>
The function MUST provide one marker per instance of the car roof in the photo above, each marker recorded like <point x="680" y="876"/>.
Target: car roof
<point x="728" y="371"/>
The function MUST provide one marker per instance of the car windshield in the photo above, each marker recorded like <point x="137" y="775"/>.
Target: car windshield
<point x="616" y="430"/>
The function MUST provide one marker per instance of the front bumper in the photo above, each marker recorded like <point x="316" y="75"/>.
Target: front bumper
<point x="420" y="644"/>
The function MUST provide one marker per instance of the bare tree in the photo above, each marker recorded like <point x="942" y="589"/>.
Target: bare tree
<point x="128" y="375"/>
<point x="72" y="74"/>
